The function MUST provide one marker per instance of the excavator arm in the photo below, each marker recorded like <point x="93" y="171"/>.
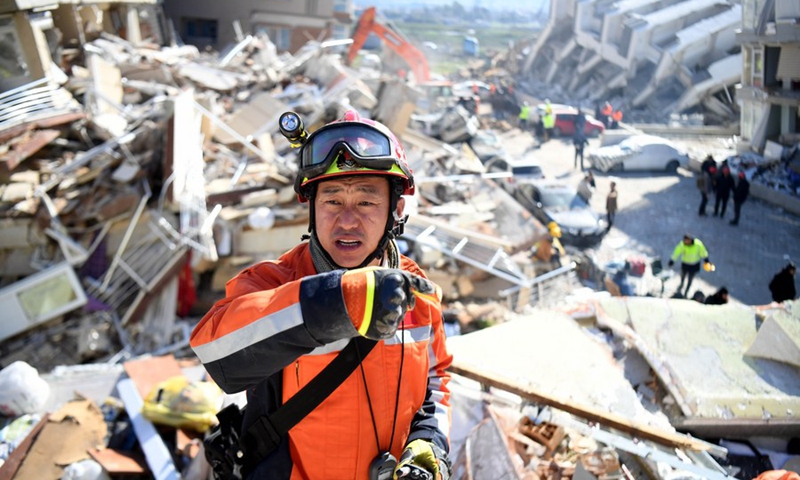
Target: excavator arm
<point x="400" y="45"/>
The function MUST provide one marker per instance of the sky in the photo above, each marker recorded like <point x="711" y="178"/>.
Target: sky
<point x="530" y="5"/>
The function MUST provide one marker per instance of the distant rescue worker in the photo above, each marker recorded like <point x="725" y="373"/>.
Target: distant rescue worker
<point x="587" y="186"/>
<point x="611" y="205"/>
<point x="548" y="122"/>
<point x="345" y="298"/>
<point x="720" y="297"/>
<point x="616" y="118"/>
<point x="691" y="252"/>
<point x="740" y="194"/>
<point x="549" y="248"/>
<point x="723" y="186"/>
<point x="782" y="284"/>
<point x="705" y="183"/>
<point x="579" y="140"/>
<point x="606" y="114"/>
<point x="524" y="115"/>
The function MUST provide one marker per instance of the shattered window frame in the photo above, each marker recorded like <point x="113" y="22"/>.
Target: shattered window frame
<point x="12" y="53"/>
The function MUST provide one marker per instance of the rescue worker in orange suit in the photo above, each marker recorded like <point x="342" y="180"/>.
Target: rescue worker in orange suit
<point x="283" y="321"/>
<point x="606" y="113"/>
<point x="616" y="118"/>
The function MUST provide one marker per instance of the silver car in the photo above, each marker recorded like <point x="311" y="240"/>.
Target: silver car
<point x="639" y="152"/>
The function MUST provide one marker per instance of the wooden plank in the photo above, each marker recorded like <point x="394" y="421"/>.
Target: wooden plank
<point x="620" y="423"/>
<point x="155" y="450"/>
<point x="14" y="460"/>
<point x="22" y="150"/>
<point x="17" y="130"/>
<point x="117" y="462"/>
<point x="148" y="372"/>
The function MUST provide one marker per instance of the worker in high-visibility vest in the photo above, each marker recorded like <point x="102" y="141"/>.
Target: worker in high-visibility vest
<point x="691" y="252"/>
<point x="524" y="115"/>
<point x="549" y="122"/>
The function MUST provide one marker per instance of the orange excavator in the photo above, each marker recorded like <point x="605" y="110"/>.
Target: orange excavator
<point x="368" y="23"/>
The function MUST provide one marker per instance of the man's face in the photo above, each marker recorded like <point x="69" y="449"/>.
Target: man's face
<point x="351" y="214"/>
<point x="687" y="241"/>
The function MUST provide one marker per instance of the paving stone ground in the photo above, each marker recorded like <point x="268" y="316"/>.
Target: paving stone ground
<point x="655" y="210"/>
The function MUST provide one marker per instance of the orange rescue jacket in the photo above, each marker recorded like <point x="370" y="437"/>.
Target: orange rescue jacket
<point x="281" y="323"/>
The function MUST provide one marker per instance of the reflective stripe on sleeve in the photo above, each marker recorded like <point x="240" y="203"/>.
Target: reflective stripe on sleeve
<point x="257" y="331"/>
<point x="370" y="300"/>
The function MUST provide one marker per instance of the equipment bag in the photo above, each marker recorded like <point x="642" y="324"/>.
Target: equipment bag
<point x="233" y="453"/>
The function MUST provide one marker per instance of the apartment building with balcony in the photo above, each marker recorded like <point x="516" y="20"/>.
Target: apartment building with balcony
<point x="770" y="86"/>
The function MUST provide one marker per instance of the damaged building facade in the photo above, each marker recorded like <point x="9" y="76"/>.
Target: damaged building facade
<point x="289" y="24"/>
<point x="647" y="56"/>
<point x="770" y="92"/>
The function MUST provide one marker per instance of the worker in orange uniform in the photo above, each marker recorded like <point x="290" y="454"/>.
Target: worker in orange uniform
<point x="282" y="322"/>
<point x="616" y="118"/>
<point x="606" y="113"/>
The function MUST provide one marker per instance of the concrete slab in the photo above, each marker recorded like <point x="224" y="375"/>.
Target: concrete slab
<point x="778" y="337"/>
<point x="547" y="351"/>
<point x="703" y="348"/>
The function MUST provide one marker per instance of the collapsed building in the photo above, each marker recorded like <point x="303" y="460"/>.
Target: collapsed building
<point x="651" y="56"/>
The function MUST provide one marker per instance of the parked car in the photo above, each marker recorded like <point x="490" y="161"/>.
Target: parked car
<point x="554" y="201"/>
<point x="639" y="152"/>
<point x="565" y="120"/>
<point x="466" y="89"/>
<point x="522" y="171"/>
<point x="565" y="124"/>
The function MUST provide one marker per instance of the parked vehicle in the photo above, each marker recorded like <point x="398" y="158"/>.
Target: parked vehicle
<point x="554" y="201"/>
<point x="639" y="152"/>
<point x="565" y="124"/>
<point x="565" y="120"/>
<point x="522" y="171"/>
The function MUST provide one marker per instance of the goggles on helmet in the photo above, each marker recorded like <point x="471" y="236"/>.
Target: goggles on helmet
<point x="367" y="146"/>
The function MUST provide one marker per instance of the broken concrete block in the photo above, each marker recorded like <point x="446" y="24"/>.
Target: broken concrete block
<point x="14" y="232"/>
<point x="279" y="239"/>
<point x="778" y="339"/>
<point x="261" y="110"/>
<point x="266" y="198"/>
<point x="16" y="192"/>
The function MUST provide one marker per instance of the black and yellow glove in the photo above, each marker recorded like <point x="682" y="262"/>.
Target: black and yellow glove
<point x="425" y="455"/>
<point x="378" y="298"/>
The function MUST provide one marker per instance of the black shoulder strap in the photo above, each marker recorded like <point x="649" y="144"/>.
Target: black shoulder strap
<point x="265" y="434"/>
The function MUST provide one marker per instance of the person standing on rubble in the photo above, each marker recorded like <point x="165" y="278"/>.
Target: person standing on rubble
<point x="579" y="139"/>
<point x="691" y="252"/>
<point x="740" y="194"/>
<point x="611" y="205"/>
<point x="616" y="118"/>
<point x="606" y="114"/>
<point x="524" y="115"/>
<point x="282" y="322"/>
<point x="705" y="183"/>
<point x="723" y="186"/>
<point x="782" y="284"/>
<point x="548" y="122"/>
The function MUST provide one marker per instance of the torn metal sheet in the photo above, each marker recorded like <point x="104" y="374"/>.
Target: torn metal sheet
<point x="731" y="392"/>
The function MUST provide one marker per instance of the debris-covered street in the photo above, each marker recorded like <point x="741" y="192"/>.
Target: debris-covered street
<point x="600" y="322"/>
